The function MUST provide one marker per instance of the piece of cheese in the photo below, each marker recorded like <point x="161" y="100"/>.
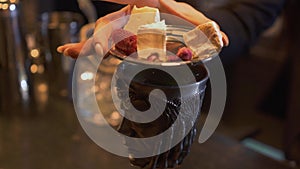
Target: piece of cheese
<point x="205" y="40"/>
<point x="141" y="16"/>
<point x="151" y="40"/>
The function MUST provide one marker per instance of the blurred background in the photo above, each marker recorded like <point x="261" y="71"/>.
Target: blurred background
<point x="38" y="125"/>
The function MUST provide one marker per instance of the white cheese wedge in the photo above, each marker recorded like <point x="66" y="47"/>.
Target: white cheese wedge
<point x="151" y="40"/>
<point x="205" y="40"/>
<point x="141" y="16"/>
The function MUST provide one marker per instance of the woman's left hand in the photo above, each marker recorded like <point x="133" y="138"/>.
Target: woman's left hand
<point x="103" y="30"/>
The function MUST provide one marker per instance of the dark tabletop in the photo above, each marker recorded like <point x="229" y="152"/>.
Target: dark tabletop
<point x="51" y="138"/>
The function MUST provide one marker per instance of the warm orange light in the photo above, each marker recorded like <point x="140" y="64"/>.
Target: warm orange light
<point x="115" y="115"/>
<point x="34" y="68"/>
<point x="35" y="53"/>
<point x="42" y="88"/>
<point x="4" y="6"/>
<point x="41" y="69"/>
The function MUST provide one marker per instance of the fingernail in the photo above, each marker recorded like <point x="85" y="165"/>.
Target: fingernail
<point x="98" y="49"/>
<point x="59" y="49"/>
<point x="66" y="52"/>
<point x="225" y="39"/>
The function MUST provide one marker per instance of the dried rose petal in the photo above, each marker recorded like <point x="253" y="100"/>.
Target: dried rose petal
<point x="173" y="58"/>
<point x="120" y="34"/>
<point x="128" y="45"/>
<point x="125" y="41"/>
<point x="185" y="54"/>
<point x="153" y="57"/>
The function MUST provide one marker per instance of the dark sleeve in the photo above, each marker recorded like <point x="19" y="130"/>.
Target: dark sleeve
<point x="104" y="8"/>
<point x="243" y="22"/>
<point x="66" y="5"/>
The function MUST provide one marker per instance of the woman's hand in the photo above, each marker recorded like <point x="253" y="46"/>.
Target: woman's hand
<point x="138" y="3"/>
<point x="103" y="30"/>
<point x="187" y="12"/>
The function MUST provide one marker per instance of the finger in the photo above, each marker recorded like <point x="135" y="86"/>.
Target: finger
<point x="73" y="53"/>
<point x="184" y="11"/>
<point x="72" y="49"/>
<point x="106" y="25"/>
<point x="225" y="39"/>
<point x="138" y="3"/>
<point x="87" y="48"/>
<point x="99" y="49"/>
<point x="188" y="13"/>
<point x="62" y="48"/>
<point x="121" y="1"/>
<point x="113" y="16"/>
<point x="75" y="49"/>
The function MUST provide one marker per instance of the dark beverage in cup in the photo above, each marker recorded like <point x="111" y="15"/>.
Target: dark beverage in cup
<point x="187" y="104"/>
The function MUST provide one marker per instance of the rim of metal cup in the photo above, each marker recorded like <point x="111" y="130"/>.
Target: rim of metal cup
<point x="174" y="33"/>
<point x="189" y="88"/>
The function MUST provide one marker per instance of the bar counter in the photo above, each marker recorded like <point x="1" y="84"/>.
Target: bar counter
<point x="50" y="137"/>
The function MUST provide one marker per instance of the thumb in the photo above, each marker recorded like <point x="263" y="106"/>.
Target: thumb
<point x="187" y="12"/>
<point x="106" y="25"/>
<point x="183" y="10"/>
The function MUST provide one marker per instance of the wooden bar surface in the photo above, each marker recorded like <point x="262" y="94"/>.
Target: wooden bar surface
<point x="51" y="138"/>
